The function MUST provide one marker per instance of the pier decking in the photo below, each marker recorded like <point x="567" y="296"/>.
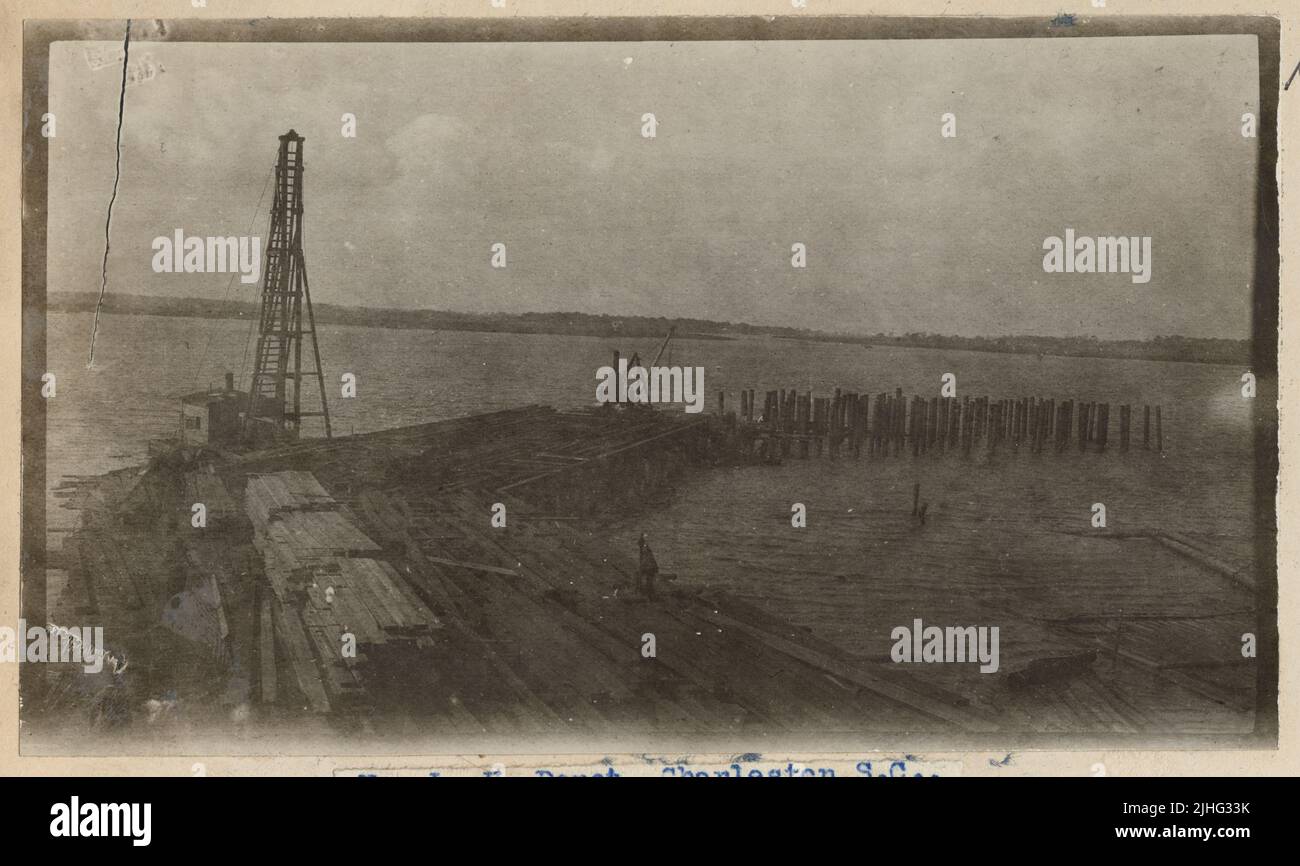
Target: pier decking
<point x="540" y="626"/>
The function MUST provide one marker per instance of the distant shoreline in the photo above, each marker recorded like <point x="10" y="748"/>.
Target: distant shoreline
<point x="1181" y="349"/>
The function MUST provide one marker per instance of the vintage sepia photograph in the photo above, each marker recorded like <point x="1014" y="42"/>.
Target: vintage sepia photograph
<point x="434" y="386"/>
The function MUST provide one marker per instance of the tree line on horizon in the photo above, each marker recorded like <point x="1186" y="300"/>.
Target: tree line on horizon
<point x="1209" y="350"/>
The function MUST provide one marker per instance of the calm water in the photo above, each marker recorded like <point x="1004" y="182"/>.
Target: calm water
<point x="103" y="418"/>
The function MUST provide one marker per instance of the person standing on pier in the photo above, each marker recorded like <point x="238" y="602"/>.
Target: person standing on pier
<point x="645" y="576"/>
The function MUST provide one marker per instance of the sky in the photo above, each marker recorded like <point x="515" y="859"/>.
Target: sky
<point x="759" y="145"/>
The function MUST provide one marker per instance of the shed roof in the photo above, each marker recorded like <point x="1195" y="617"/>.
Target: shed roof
<point x="202" y="398"/>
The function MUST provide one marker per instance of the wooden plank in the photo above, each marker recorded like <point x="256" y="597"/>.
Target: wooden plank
<point x="1200" y="687"/>
<point x="266" y="653"/>
<point x="386" y="612"/>
<point x="389" y="587"/>
<point x="290" y="634"/>
<point x="969" y="721"/>
<point x="473" y="566"/>
<point x="1185" y="547"/>
<point x="347" y="610"/>
<point x="339" y="680"/>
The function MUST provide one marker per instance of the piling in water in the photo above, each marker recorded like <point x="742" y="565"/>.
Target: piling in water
<point x="847" y="421"/>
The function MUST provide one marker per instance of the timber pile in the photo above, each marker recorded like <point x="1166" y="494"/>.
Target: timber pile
<point x="325" y="592"/>
<point x="112" y="585"/>
<point x="86" y="492"/>
<point x="124" y="568"/>
<point x="269" y="496"/>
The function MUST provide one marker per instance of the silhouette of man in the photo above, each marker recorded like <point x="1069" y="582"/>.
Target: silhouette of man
<point x="645" y="576"/>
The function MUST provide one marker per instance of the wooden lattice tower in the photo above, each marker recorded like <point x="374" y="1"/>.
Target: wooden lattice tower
<point x="285" y="292"/>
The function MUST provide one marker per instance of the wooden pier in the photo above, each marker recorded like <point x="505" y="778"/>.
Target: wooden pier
<point x="539" y="625"/>
<point x="466" y="624"/>
<point x="474" y="627"/>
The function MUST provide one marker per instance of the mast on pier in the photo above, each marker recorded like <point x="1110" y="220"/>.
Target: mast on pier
<point x="275" y="399"/>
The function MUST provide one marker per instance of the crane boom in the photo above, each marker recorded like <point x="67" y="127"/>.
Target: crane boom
<point x="660" y="354"/>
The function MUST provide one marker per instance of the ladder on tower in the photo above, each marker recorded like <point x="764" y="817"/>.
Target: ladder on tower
<point x="276" y="393"/>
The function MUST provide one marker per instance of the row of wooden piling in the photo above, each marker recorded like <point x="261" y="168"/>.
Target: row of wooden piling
<point x="886" y="423"/>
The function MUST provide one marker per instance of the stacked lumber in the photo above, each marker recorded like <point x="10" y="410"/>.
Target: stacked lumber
<point x="112" y="584"/>
<point x="303" y="540"/>
<point x="267" y="495"/>
<point x="327" y="593"/>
